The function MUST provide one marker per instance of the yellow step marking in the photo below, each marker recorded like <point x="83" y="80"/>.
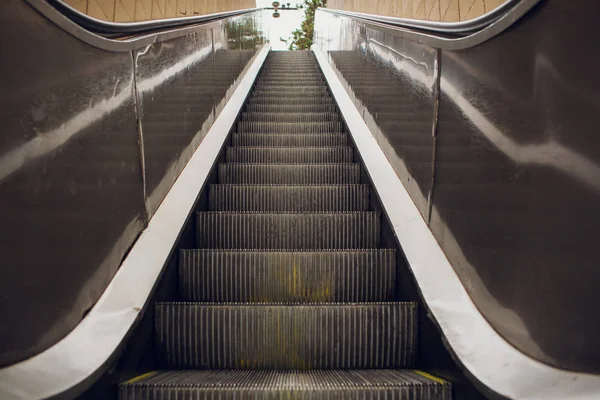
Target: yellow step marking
<point x="429" y="376"/>
<point x="139" y="378"/>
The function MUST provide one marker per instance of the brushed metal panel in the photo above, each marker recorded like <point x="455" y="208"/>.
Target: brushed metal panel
<point x="71" y="191"/>
<point x="393" y="82"/>
<point x="176" y="97"/>
<point x="516" y="176"/>
<point x="517" y="184"/>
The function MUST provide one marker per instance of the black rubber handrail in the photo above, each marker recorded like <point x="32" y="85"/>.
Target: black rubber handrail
<point x="112" y="29"/>
<point x="452" y="29"/>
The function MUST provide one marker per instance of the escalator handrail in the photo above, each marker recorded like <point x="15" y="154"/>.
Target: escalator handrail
<point x="111" y="29"/>
<point x="450" y="35"/>
<point x="121" y="37"/>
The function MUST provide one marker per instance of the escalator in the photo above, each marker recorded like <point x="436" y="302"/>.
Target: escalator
<point x="403" y="212"/>
<point x="289" y="292"/>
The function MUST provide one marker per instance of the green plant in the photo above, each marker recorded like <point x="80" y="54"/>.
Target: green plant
<point x="302" y="38"/>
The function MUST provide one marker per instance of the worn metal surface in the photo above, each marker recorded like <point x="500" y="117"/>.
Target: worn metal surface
<point x="76" y="155"/>
<point x="276" y="385"/>
<point x="71" y="191"/>
<point x="282" y="276"/>
<point x="515" y="184"/>
<point x="286" y="336"/>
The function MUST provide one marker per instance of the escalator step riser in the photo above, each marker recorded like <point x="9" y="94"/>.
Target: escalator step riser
<point x="332" y="174"/>
<point x="291" y="117"/>
<point x="291" y="101"/>
<point x="316" y="128"/>
<point x="294" y="155"/>
<point x="281" y="336"/>
<point x="290" y="69"/>
<point x="291" y="81"/>
<point x="288" y="198"/>
<point x="306" y="277"/>
<point x="291" y="77"/>
<point x="303" y="108"/>
<point x="275" y="140"/>
<point x="287" y="87"/>
<point x="280" y="94"/>
<point x="375" y="384"/>
<point x="233" y="230"/>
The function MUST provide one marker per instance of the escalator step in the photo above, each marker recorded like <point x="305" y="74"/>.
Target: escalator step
<point x="290" y="100"/>
<point x="279" y="385"/>
<point x="288" y="198"/>
<point x="286" y="336"/>
<point x="290" y="174"/>
<point x="275" y="140"/>
<point x="291" y="86"/>
<point x="291" y="80"/>
<point x="290" y="117"/>
<point x="275" y="93"/>
<point x="290" y="155"/>
<point x="237" y="230"/>
<point x="267" y="276"/>
<point x="315" y="128"/>
<point x="302" y="108"/>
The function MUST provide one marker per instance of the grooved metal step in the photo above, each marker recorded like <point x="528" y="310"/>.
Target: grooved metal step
<point x="290" y="174"/>
<point x="289" y="155"/>
<point x="291" y="93"/>
<point x="235" y="230"/>
<point x="297" y="140"/>
<point x="282" y="108"/>
<point x="316" y="128"/>
<point x="313" y="79"/>
<point x="286" y="198"/>
<point x="268" y="276"/>
<point x="290" y="117"/>
<point x="284" y="385"/>
<point x="290" y="100"/>
<point x="291" y="86"/>
<point x="286" y="336"/>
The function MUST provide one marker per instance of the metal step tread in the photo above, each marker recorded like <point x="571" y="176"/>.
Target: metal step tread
<point x="293" y="140"/>
<point x="287" y="276"/>
<point x="291" y="117"/>
<point x="315" y="230"/>
<point x="281" y="384"/>
<point x="289" y="155"/>
<point x="283" y="109"/>
<point x="281" y="198"/>
<point x="289" y="127"/>
<point x="289" y="173"/>
<point x="286" y="335"/>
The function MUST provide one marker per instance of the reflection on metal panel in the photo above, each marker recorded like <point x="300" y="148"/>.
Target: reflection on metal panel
<point x="183" y="84"/>
<point x="518" y="183"/>
<point x="516" y="177"/>
<point x="175" y="94"/>
<point x="392" y="82"/>
<point x="70" y="188"/>
<point x="87" y="134"/>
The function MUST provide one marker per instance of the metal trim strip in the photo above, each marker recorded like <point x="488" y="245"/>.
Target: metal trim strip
<point x="476" y="345"/>
<point x="74" y="362"/>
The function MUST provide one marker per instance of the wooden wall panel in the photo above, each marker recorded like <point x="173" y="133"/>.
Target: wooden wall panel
<point x="144" y="10"/>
